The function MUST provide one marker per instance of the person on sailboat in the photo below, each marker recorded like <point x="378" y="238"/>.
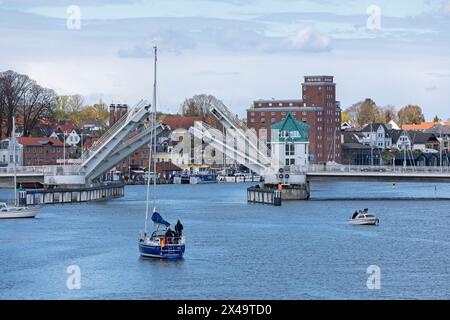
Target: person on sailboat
<point x="178" y="229"/>
<point x="169" y="235"/>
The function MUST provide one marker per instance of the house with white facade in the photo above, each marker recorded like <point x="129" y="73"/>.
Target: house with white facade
<point x="7" y="153"/>
<point x="290" y="142"/>
<point x="377" y="135"/>
<point x="72" y="138"/>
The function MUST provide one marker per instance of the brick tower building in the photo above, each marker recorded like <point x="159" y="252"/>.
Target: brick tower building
<point x="318" y="107"/>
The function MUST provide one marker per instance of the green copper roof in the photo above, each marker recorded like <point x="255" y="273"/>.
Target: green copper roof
<point x="297" y="131"/>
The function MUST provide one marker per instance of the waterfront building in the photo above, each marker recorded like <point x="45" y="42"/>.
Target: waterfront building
<point x="317" y="107"/>
<point x="41" y="151"/>
<point x="291" y="145"/>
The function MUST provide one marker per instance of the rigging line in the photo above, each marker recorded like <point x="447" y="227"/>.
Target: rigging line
<point x="154" y="128"/>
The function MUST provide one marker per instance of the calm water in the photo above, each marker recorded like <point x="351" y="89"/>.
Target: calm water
<point x="302" y="250"/>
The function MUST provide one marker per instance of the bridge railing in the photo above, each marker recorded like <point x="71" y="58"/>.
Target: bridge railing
<point x="380" y="169"/>
<point x="113" y="130"/>
<point x="43" y="170"/>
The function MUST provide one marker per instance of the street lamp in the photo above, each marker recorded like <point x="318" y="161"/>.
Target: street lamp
<point x="64" y="147"/>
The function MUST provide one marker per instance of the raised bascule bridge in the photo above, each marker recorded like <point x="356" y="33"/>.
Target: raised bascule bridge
<point x="77" y="183"/>
<point x="292" y="182"/>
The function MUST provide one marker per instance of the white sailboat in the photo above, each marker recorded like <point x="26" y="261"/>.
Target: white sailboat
<point x="162" y="243"/>
<point x="15" y="211"/>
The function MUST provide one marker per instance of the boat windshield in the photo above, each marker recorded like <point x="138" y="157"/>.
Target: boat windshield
<point x="3" y="205"/>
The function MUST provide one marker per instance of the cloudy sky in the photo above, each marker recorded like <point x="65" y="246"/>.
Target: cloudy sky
<point x="396" y="52"/>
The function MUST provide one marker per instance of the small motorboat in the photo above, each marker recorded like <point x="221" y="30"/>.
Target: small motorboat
<point x="364" y="218"/>
<point x="7" y="212"/>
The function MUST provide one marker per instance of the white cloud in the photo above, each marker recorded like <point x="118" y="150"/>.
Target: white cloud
<point x="309" y="39"/>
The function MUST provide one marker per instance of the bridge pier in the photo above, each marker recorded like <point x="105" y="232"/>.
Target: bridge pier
<point x="292" y="192"/>
<point x="75" y="195"/>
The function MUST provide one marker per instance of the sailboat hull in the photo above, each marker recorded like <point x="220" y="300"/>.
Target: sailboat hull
<point x="18" y="214"/>
<point x="166" y="252"/>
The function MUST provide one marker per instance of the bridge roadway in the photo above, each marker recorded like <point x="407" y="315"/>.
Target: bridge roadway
<point x="314" y="173"/>
<point x="379" y="173"/>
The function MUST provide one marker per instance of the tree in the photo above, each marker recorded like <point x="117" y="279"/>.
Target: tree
<point x="101" y="111"/>
<point x="61" y="108"/>
<point x="22" y="96"/>
<point x="389" y="113"/>
<point x="368" y="113"/>
<point x="411" y="114"/>
<point x="345" y="117"/>
<point x="437" y="119"/>
<point x="13" y="87"/>
<point x="365" y="112"/>
<point x="199" y="105"/>
<point x="74" y="108"/>
<point x="38" y="103"/>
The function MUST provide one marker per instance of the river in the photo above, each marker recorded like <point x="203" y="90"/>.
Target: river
<point x="236" y="250"/>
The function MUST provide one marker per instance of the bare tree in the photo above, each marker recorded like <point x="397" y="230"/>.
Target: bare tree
<point x="13" y="87"/>
<point x="20" y="95"/>
<point x="38" y="103"/>
<point x="389" y="112"/>
<point x="199" y="105"/>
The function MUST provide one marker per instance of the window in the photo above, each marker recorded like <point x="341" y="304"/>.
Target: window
<point x="273" y="113"/>
<point x="290" y="149"/>
<point x="252" y="120"/>
<point x="263" y="120"/>
<point x="290" y="162"/>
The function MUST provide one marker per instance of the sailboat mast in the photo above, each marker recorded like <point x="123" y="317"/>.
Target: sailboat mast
<point x="154" y="128"/>
<point x="13" y="139"/>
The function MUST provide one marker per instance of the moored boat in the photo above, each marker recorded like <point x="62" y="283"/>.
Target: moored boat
<point x="8" y="212"/>
<point x="15" y="211"/>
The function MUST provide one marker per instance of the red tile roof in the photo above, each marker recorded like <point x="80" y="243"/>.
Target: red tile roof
<point x="422" y="126"/>
<point x="31" y="141"/>
<point x="180" y="122"/>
